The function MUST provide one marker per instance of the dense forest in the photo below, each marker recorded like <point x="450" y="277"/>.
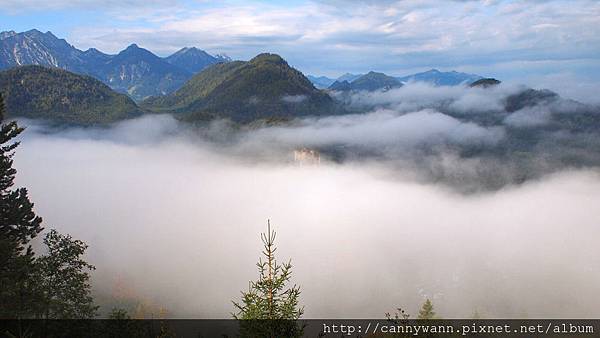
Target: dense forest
<point x="50" y="93"/>
<point x="264" y="87"/>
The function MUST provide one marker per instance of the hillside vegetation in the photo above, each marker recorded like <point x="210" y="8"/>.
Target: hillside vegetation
<point x="55" y="94"/>
<point x="263" y="88"/>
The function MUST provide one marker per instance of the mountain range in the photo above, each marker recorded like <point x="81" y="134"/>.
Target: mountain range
<point x="141" y="74"/>
<point x="438" y="78"/>
<point x="433" y="76"/>
<point x="134" y="71"/>
<point x="266" y="88"/>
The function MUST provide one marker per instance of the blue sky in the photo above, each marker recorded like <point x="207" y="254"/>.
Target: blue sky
<point x="543" y="43"/>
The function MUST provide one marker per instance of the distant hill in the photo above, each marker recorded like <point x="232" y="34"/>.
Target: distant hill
<point x="134" y="71"/>
<point x="265" y="87"/>
<point x="528" y="98"/>
<point x="320" y="82"/>
<point x="341" y="86"/>
<point x="349" y="77"/>
<point x="433" y="76"/>
<point x="193" y="60"/>
<point x="438" y="78"/>
<point x="49" y="93"/>
<point x="486" y="82"/>
<point x="369" y="82"/>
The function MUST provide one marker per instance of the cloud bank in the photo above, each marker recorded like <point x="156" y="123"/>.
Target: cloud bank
<point x="173" y="218"/>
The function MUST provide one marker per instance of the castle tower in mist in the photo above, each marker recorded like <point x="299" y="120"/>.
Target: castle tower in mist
<point x="305" y="156"/>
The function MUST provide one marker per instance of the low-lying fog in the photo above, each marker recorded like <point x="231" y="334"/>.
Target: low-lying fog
<point x="172" y="216"/>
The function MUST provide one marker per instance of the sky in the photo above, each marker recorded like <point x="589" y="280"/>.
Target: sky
<point x="546" y="43"/>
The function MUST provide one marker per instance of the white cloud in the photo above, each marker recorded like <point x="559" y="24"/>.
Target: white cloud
<point x="400" y="28"/>
<point x="179" y="221"/>
<point x="379" y="130"/>
<point x="529" y="117"/>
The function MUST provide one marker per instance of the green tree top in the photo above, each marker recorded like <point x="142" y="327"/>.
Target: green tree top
<point x="65" y="278"/>
<point x="269" y="297"/>
<point x="426" y="311"/>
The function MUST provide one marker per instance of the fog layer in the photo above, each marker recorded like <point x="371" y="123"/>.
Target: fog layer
<point x="174" y="218"/>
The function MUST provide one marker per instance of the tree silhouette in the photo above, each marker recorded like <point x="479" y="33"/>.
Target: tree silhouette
<point x="269" y="297"/>
<point x="270" y="308"/>
<point x="64" y="279"/>
<point x="18" y="226"/>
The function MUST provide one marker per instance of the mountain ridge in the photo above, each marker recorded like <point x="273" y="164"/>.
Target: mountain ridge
<point x="194" y="60"/>
<point x="264" y="87"/>
<point x="439" y="78"/>
<point x="432" y="76"/>
<point x="145" y="79"/>
<point x="370" y="82"/>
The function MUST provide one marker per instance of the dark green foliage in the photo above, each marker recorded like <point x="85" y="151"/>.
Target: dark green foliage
<point x="18" y="226"/>
<point x="264" y="87"/>
<point x="55" y="94"/>
<point x="198" y="88"/>
<point x="64" y="279"/>
<point x="52" y="286"/>
<point x="426" y="311"/>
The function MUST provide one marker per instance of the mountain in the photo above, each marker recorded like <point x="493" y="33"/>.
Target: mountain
<point x="265" y="87"/>
<point x="434" y="76"/>
<point x="4" y="35"/>
<point x="438" y="78"/>
<point x="140" y="74"/>
<point x="36" y="48"/>
<point x="193" y="60"/>
<point x="320" y="82"/>
<point x="341" y="86"/>
<point x="486" y="82"/>
<point x="348" y="77"/>
<point x="54" y="94"/>
<point x="530" y="97"/>
<point x="370" y="82"/>
<point x="93" y="56"/>
<point x="134" y="71"/>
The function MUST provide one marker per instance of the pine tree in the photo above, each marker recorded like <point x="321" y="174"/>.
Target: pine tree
<point x="426" y="311"/>
<point x="270" y="307"/>
<point x="64" y="279"/>
<point x="268" y="297"/>
<point x="18" y="226"/>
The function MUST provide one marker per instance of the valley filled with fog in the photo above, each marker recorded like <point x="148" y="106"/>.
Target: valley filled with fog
<point x="423" y="196"/>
